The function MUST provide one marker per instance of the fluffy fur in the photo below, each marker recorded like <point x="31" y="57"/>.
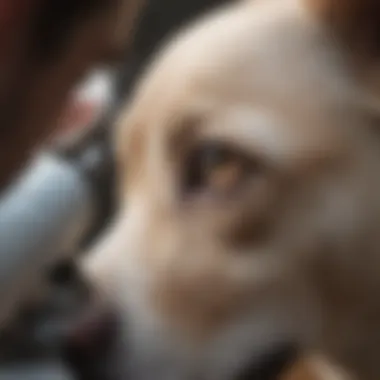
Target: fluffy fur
<point x="207" y="281"/>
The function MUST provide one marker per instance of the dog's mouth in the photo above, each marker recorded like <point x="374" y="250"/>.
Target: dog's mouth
<point x="91" y="354"/>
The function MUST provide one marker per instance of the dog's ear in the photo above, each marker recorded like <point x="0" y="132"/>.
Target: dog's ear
<point x="355" y="22"/>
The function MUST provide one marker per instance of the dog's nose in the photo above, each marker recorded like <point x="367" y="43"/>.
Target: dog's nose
<point x="89" y="344"/>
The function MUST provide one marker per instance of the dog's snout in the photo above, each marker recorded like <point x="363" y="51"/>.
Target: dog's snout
<point x="89" y="343"/>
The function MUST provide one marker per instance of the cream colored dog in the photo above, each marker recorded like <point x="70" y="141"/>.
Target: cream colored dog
<point x="249" y="164"/>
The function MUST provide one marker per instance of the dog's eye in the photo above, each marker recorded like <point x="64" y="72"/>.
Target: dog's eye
<point x="217" y="168"/>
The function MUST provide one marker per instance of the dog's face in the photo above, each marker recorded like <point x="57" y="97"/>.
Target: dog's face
<point x="247" y="194"/>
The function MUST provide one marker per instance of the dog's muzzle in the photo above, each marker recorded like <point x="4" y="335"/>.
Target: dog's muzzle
<point x="91" y="352"/>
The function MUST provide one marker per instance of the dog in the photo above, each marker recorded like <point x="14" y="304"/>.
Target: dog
<point x="248" y="195"/>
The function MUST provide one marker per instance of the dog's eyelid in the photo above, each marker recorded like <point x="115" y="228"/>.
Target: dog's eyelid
<point x="238" y="151"/>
